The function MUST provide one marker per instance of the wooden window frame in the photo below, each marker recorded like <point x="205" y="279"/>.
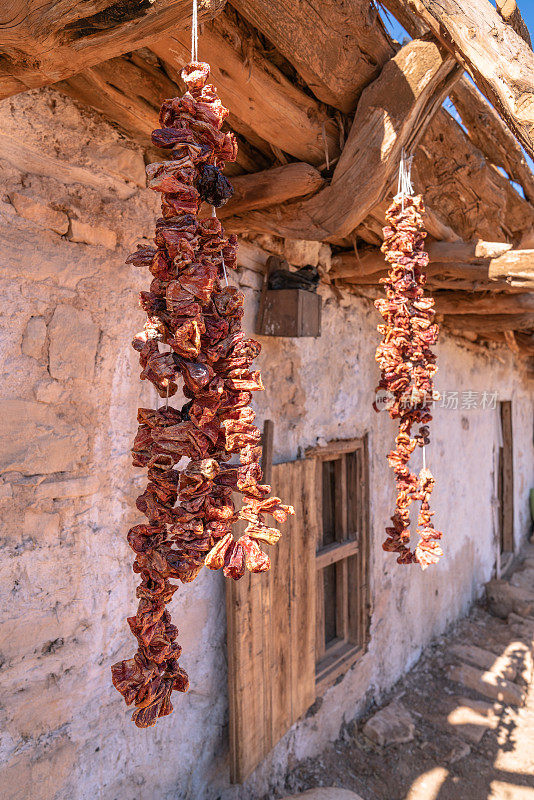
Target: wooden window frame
<point x="351" y="555"/>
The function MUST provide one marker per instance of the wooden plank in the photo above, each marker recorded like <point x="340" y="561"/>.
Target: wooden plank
<point x="42" y="43"/>
<point x="327" y="42"/>
<point x="303" y="536"/>
<point x="499" y="61"/>
<point x="267" y="444"/>
<point x="392" y="113"/>
<point x="333" y="448"/>
<point x="257" y="92"/>
<point x="248" y="700"/>
<point x="286" y="480"/>
<point x="271" y="631"/>
<point x="507" y="476"/>
<point x="333" y="553"/>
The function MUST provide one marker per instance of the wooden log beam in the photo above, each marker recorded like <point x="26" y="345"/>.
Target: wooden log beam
<point x="337" y="48"/>
<point x="488" y="132"/>
<point x="498" y="60"/>
<point x="392" y="113"/>
<point x="493" y="264"/>
<point x="484" y="323"/>
<point x="257" y="92"/>
<point x="476" y="254"/>
<point x="491" y="303"/>
<point x="510" y="13"/>
<point x="42" y="43"/>
<point x="473" y="198"/>
<point x="128" y="91"/>
<point x="271" y="187"/>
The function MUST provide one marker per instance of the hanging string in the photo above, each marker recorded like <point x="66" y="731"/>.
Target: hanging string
<point x="214" y="214"/>
<point x="404" y="183"/>
<point x="194" y="33"/>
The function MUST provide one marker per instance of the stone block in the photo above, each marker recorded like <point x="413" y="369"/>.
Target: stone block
<point x="302" y="252"/>
<point x="485" y="659"/>
<point x="122" y="162"/>
<point x="34" y="439"/>
<point x="470" y="719"/>
<point x="504" y="599"/>
<point x="487" y="684"/>
<point x="393" y="724"/>
<point x="51" y="391"/>
<point x="34" y="337"/>
<point x="250" y="279"/>
<point x="524" y="579"/>
<point x="73" y="342"/>
<point x="92" y="234"/>
<point x="60" y="490"/>
<point x="36" y="210"/>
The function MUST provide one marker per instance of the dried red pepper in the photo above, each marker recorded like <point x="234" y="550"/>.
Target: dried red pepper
<point x="190" y="310"/>
<point x="408" y="366"/>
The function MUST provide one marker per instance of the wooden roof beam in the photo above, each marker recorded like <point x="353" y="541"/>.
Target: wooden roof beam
<point x="488" y="132"/>
<point x="128" y="92"/>
<point x="338" y="48"/>
<point x="506" y="267"/>
<point x="476" y="303"/>
<point x="485" y="323"/>
<point x="42" y="43"/>
<point x="510" y="13"/>
<point x="392" y="113"/>
<point x="257" y="92"/>
<point x="498" y="60"/>
<point x="271" y="187"/>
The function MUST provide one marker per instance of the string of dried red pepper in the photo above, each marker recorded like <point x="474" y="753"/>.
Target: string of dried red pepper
<point x="408" y="365"/>
<point x="189" y="309"/>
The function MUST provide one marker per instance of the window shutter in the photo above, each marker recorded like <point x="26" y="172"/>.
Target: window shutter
<point x="271" y="630"/>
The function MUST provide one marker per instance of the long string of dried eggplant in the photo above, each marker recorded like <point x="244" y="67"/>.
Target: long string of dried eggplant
<point x="189" y="309"/>
<point x="408" y="366"/>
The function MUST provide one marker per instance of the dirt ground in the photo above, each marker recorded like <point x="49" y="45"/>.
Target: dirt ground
<point x="438" y="764"/>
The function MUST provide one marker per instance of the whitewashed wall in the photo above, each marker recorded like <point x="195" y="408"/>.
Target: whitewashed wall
<point x="68" y="403"/>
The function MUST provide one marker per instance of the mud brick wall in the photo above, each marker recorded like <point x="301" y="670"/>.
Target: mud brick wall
<point x="72" y="206"/>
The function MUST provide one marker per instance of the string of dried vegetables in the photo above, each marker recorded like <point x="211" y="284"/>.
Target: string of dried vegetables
<point x="408" y="365"/>
<point x="190" y="309"/>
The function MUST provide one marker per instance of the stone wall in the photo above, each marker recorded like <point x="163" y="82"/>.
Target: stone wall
<point x="72" y="207"/>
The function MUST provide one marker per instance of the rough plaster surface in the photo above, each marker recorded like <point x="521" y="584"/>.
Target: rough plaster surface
<point x="69" y="396"/>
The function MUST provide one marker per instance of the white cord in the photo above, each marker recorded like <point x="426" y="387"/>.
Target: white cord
<point x="194" y="33"/>
<point x="214" y="214"/>
<point x="404" y="183"/>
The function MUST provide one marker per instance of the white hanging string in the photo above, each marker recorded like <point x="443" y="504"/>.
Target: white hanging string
<point x="404" y="183"/>
<point x="194" y="33"/>
<point x="214" y="214"/>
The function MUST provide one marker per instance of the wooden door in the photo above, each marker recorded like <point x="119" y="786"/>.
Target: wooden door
<point x="271" y="630"/>
<point x="506" y="480"/>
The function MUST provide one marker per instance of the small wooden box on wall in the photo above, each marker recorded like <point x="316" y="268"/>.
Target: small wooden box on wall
<point x="287" y="312"/>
